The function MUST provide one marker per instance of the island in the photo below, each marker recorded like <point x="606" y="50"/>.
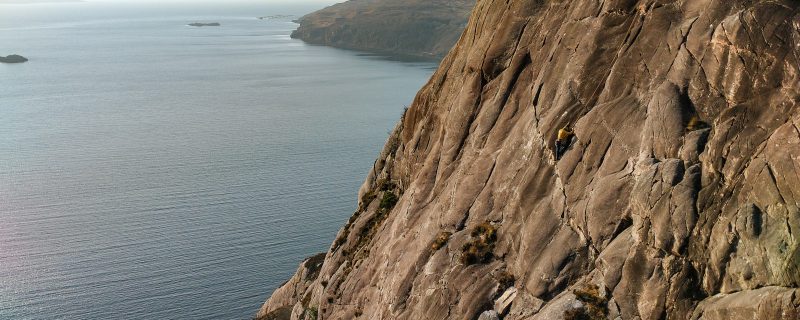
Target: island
<point x="14" y="58"/>
<point x="276" y="16"/>
<point x="201" y="24"/>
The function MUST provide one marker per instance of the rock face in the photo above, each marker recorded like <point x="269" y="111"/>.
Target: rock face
<point x="14" y="58"/>
<point x="418" y="28"/>
<point x="678" y="198"/>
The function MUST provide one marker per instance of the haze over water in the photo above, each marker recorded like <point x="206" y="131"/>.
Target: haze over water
<point x="150" y="170"/>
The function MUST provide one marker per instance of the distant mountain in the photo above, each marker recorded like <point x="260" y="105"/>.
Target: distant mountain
<point x="419" y="28"/>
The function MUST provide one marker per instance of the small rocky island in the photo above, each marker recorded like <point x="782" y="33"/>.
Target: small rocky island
<point x="201" y="24"/>
<point x="276" y="16"/>
<point x="14" y="58"/>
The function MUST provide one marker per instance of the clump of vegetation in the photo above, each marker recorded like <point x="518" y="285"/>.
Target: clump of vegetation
<point x="403" y="116"/>
<point x="312" y="313"/>
<point x="385" y="185"/>
<point x="485" y="231"/>
<point x="695" y="123"/>
<point x="595" y="307"/>
<point x="505" y="279"/>
<point x="365" y="235"/>
<point x="479" y="249"/>
<point x="475" y="252"/>
<point x="339" y="242"/>
<point x="355" y="238"/>
<point x="367" y="198"/>
<point x="394" y="142"/>
<point x="395" y="137"/>
<point x="441" y="240"/>
<point x="388" y="201"/>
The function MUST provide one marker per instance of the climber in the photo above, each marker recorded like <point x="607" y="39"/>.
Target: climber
<point x="695" y="124"/>
<point x="563" y="140"/>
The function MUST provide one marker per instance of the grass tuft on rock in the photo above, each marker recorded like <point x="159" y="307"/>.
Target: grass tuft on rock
<point x="388" y="201"/>
<point x="441" y="240"/>
<point x="594" y="306"/>
<point x="312" y="313"/>
<point x="479" y="248"/>
<point x="505" y="279"/>
<point x="367" y="198"/>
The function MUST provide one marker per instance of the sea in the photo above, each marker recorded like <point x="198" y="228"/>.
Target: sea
<point x="153" y="170"/>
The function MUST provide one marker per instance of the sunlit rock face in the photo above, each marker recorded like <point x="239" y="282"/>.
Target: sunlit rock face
<point x="677" y="197"/>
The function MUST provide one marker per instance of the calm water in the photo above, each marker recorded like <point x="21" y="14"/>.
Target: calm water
<point x="150" y="170"/>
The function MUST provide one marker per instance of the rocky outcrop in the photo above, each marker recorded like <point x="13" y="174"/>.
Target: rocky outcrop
<point x="677" y="199"/>
<point x="14" y="58"/>
<point x="296" y="289"/>
<point x="416" y="28"/>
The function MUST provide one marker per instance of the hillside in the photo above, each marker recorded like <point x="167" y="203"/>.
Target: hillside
<point x="677" y="197"/>
<point x="414" y="28"/>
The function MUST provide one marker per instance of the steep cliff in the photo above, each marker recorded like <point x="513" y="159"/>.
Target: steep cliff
<point x="417" y="28"/>
<point x="677" y="198"/>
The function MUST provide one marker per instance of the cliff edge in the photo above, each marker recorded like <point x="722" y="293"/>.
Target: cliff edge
<point x="676" y="198"/>
<point x="414" y="28"/>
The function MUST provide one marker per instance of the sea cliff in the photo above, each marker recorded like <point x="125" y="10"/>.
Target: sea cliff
<point x="676" y="198"/>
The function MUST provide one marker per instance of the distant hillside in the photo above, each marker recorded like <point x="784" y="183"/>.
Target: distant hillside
<point x="419" y="28"/>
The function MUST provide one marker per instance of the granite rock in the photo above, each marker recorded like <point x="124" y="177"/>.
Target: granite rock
<point x="648" y="215"/>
